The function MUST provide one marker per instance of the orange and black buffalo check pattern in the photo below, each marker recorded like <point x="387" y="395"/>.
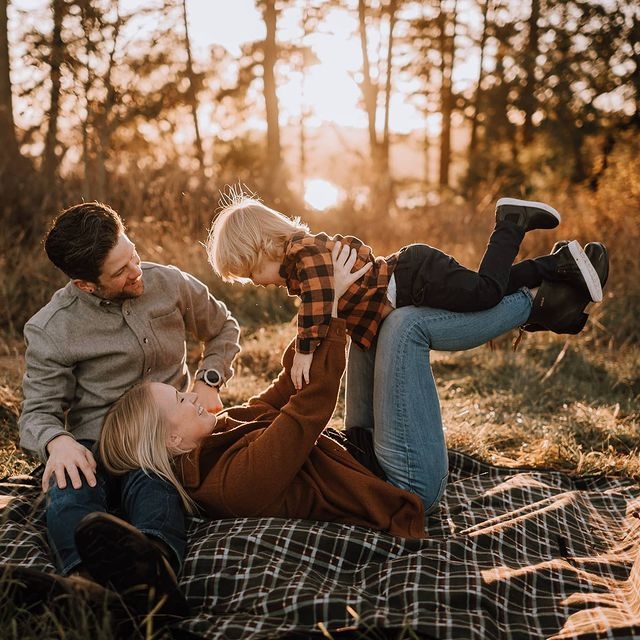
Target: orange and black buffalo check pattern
<point x="308" y="272"/>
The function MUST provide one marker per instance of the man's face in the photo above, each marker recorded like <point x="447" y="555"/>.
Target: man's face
<point x="121" y="275"/>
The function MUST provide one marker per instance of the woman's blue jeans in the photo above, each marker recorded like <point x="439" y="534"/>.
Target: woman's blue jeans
<point x="391" y="389"/>
<point x="148" y="502"/>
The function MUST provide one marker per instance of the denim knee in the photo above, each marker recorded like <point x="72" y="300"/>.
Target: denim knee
<point x="65" y="508"/>
<point x="153" y="505"/>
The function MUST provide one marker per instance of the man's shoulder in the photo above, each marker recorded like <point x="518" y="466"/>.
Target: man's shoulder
<point x="154" y="268"/>
<point x="61" y="300"/>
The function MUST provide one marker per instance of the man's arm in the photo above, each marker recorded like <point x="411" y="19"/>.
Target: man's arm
<point x="212" y="324"/>
<point x="48" y="388"/>
<point x="209" y="320"/>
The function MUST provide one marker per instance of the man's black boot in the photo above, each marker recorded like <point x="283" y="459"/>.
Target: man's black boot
<point x="122" y="558"/>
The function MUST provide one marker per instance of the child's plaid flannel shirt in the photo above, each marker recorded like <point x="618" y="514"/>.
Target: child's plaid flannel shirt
<point x="308" y="271"/>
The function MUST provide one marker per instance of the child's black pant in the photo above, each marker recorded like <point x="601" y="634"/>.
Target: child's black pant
<point x="428" y="277"/>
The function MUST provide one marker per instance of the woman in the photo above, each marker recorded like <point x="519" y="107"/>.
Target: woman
<point x="273" y="455"/>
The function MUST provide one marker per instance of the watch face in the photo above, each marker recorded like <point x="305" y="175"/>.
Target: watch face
<point x="212" y="378"/>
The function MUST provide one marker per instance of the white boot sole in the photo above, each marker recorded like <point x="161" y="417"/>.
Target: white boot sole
<point x="587" y="270"/>
<point x="530" y="204"/>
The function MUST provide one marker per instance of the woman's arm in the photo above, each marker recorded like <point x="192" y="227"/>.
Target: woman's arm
<point x="343" y="258"/>
<point x="261" y="466"/>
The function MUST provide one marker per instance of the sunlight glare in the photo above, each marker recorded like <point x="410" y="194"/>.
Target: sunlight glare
<point x="321" y="194"/>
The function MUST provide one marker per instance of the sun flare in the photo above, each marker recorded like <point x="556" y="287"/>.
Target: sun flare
<point x="321" y="194"/>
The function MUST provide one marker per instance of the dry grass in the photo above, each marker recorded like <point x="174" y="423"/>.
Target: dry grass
<point x="555" y="402"/>
<point x="569" y="404"/>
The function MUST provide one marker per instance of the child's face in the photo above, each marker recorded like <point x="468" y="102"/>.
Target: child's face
<point x="267" y="272"/>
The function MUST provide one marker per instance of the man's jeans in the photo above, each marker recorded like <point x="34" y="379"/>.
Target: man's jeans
<point x="148" y="502"/>
<point x="391" y="389"/>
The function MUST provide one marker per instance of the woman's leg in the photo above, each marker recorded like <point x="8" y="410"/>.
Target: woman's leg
<point x="358" y="410"/>
<point x="408" y="435"/>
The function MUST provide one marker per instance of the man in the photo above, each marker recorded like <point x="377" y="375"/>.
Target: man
<point x="118" y="321"/>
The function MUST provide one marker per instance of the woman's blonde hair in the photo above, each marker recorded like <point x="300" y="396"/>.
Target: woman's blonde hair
<point x="134" y="436"/>
<point x="244" y="230"/>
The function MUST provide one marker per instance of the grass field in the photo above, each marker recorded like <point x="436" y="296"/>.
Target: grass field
<point x="555" y="402"/>
<point x="571" y="404"/>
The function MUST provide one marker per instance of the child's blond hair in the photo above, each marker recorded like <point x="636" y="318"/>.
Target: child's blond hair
<point x="244" y="230"/>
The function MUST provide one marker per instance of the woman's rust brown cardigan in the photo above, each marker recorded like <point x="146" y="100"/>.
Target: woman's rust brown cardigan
<point x="270" y="457"/>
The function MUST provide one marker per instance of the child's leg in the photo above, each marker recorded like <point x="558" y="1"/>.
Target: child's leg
<point x="530" y="273"/>
<point x="426" y="276"/>
<point x="567" y="263"/>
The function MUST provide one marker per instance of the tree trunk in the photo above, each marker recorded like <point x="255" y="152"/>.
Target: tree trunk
<point x="369" y="90"/>
<point x="50" y="160"/>
<point x="387" y="90"/>
<point x="193" y="98"/>
<point x="379" y="149"/>
<point x="8" y="138"/>
<point x="477" y="103"/>
<point x="274" y="152"/>
<point x="447" y="56"/>
<point x="528" y="100"/>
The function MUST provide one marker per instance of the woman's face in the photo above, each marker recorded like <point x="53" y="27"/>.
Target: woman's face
<point x="189" y="422"/>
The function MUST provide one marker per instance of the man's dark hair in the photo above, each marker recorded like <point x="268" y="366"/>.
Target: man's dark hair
<point x="81" y="237"/>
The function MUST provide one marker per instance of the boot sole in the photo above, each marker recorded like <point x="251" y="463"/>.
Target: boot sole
<point x="590" y="275"/>
<point x="529" y="204"/>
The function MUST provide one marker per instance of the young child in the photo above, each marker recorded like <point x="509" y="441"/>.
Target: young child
<point x="248" y="241"/>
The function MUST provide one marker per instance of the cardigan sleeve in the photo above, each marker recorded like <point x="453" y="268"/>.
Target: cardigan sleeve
<point x="271" y="458"/>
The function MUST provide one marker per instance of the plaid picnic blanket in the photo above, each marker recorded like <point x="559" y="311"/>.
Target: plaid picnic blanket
<point x="512" y="554"/>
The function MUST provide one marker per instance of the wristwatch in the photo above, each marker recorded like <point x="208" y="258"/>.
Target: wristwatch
<point x="210" y="377"/>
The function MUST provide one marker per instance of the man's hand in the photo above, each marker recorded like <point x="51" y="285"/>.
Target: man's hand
<point x="300" y="369"/>
<point x="209" y="396"/>
<point x="343" y="260"/>
<point x="67" y="455"/>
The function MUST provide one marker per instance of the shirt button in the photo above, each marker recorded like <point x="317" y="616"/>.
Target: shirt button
<point x="146" y="340"/>
<point x="148" y="369"/>
<point x="128" y="312"/>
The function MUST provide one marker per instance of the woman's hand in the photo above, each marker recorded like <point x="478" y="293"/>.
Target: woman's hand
<point x="343" y="260"/>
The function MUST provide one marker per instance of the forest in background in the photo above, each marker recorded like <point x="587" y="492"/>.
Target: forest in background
<point x="99" y="103"/>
